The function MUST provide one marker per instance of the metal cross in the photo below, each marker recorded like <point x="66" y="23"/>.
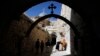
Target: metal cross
<point x="52" y="7"/>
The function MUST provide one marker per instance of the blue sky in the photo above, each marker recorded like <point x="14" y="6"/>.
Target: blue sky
<point x="36" y="10"/>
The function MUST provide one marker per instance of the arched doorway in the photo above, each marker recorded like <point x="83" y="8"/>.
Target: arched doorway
<point x="65" y="20"/>
<point x="68" y="22"/>
<point x="75" y="4"/>
<point x="53" y="15"/>
<point x="72" y="26"/>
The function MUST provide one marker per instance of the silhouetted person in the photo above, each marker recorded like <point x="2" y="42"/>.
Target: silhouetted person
<point x="37" y="45"/>
<point x="57" y="45"/>
<point x="53" y="39"/>
<point x="47" y="45"/>
<point x="42" y="46"/>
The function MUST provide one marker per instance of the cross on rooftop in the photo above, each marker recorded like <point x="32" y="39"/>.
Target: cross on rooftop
<point x="52" y="7"/>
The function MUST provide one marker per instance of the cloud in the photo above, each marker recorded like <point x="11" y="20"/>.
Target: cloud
<point x="42" y="13"/>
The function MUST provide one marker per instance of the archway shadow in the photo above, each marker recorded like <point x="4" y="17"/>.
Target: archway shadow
<point x="62" y="18"/>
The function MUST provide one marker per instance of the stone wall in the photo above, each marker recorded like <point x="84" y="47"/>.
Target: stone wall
<point x="80" y="25"/>
<point x="16" y="42"/>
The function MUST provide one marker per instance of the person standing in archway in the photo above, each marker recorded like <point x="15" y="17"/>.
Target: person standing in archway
<point x="47" y="45"/>
<point x="63" y="41"/>
<point x="53" y="38"/>
<point x="42" y="46"/>
<point x="37" y="45"/>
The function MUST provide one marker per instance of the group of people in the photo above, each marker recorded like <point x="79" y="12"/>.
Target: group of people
<point x="61" y="44"/>
<point x="40" y="45"/>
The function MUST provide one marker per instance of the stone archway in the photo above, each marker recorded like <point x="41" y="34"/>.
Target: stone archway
<point x="52" y="15"/>
<point x="62" y="18"/>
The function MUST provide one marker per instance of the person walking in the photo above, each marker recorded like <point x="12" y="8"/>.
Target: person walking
<point x="47" y="45"/>
<point x="42" y="46"/>
<point x="37" y="45"/>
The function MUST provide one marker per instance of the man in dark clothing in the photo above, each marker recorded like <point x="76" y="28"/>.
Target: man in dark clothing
<point x="47" y="45"/>
<point x="42" y="46"/>
<point x="37" y="45"/>
<point x="53" y="39"/>
<point x="57" y="45"/>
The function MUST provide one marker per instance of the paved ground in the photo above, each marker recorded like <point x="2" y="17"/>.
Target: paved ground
<point x="46" y="52"/>
<point x="59" y="53"/>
